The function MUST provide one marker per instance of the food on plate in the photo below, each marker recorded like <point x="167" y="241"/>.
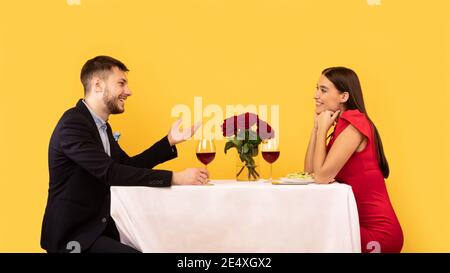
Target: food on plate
<point x="300" y="175"/>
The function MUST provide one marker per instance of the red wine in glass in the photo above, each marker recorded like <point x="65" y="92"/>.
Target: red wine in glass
<point x="270" y="151"/>
<point x="271" y="156"/>
<point x="206" y="158"/>
<point x="206" y="151"/>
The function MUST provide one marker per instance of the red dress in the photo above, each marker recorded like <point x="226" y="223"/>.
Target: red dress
<point x="380" y="229"/>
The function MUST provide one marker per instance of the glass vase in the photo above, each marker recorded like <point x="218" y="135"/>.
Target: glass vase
<point x="247" y="171"/>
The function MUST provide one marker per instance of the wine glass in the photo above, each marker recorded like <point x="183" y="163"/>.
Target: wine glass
<point x="206" y="151"/>
<point x="270" y="152"/>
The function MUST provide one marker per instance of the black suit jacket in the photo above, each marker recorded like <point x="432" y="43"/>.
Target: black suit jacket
<point x="81" y="173"/>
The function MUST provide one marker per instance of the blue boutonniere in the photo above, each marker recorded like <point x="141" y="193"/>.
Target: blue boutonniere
<point x="116" y="136"/>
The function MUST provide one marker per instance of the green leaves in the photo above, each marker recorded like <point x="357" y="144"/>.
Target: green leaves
<point x="230" y="144"/>
<point x="246" y="143"/>
<point x="254" y="150"/>
<point x="245" y="148"/>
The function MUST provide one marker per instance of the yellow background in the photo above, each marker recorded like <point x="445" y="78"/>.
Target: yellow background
<point x="230" y="52"/>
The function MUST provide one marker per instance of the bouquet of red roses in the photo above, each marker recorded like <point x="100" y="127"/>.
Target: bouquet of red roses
<point x="245" y="132"/>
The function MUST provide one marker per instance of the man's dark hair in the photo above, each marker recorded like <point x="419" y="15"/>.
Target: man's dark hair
<point x="99" y="65"/>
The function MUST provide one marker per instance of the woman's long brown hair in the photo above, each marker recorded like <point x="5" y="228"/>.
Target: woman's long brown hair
<point x="346" y="80"/>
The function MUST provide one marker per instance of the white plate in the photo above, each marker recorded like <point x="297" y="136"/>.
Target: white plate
<point x="299" y="181"/>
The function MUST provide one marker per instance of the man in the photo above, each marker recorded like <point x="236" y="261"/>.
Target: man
<point x="85" y="161"/>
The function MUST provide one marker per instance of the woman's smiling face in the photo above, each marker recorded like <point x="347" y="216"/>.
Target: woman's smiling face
<point x="327" y="96"/>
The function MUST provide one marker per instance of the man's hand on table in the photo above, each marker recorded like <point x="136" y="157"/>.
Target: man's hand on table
<point x="190" y="176"/>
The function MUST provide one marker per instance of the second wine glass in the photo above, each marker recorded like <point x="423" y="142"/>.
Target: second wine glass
<point x="270" y="152"/>
<point x="206" y="151"/>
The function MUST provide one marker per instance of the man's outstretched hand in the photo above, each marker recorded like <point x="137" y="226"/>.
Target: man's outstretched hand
<point x="176" y="135"/>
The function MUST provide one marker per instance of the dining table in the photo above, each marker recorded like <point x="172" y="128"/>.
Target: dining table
<point x="227" y="216"/>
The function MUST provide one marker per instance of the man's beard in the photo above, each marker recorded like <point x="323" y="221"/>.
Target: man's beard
<point x="112" y="103"/>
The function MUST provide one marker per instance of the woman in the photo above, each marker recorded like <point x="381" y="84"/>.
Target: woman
<point x="354" y="156"/>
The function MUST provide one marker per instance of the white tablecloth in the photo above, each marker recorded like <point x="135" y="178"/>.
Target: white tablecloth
<point x="235" y="216"/>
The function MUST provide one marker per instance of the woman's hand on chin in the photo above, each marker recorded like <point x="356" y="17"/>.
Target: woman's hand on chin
<point x="326" y="119"/>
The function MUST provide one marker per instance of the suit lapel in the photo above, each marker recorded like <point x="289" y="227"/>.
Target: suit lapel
<point x="83" y="109"/>
<point x="112" y="142"/>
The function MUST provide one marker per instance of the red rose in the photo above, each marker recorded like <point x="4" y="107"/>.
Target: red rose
<point x="246" y="121"/>
<point x="264" y="130"/>
<point x="229" y="126"/>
